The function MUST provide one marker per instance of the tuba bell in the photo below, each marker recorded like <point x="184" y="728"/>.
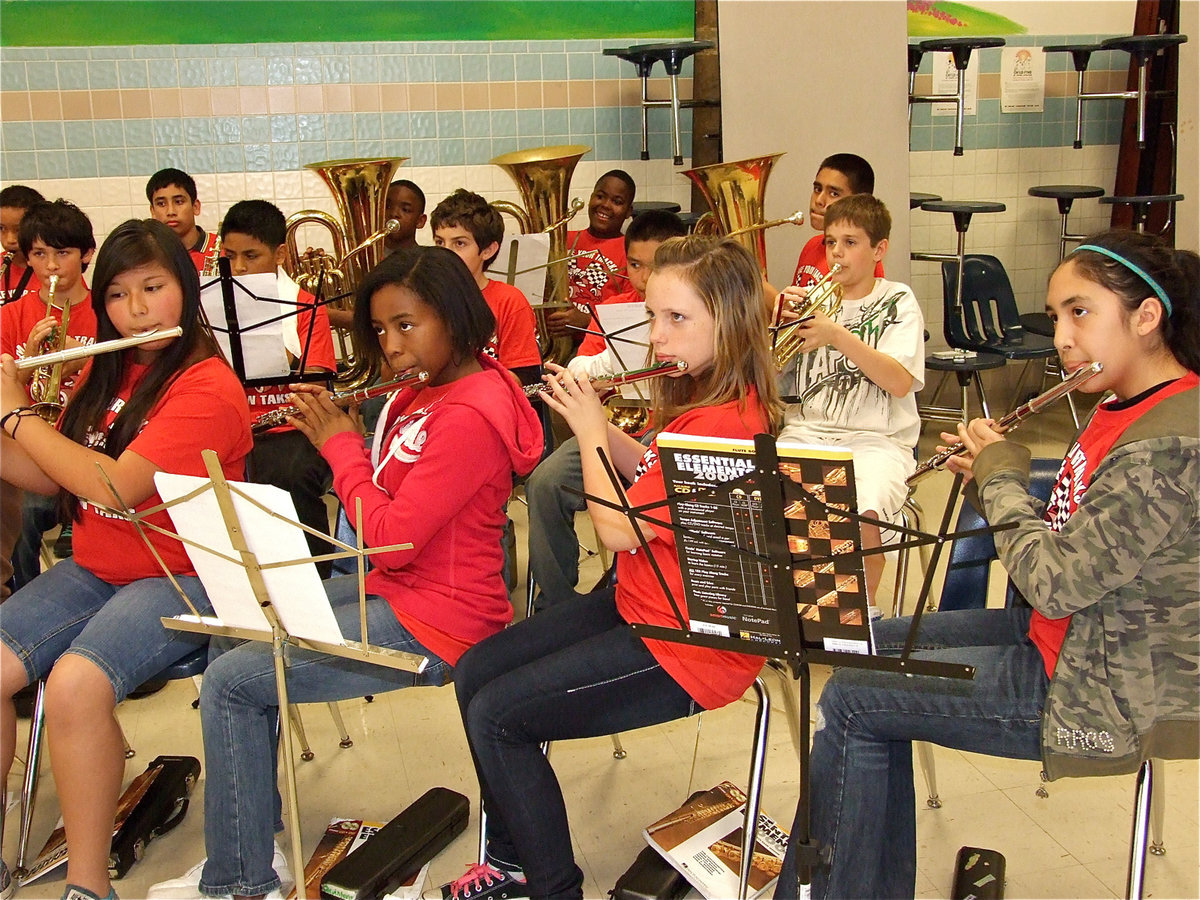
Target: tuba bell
<point x="734" y="192"/>
<point x="359" y="188"/>
<point x="543" y="178"/>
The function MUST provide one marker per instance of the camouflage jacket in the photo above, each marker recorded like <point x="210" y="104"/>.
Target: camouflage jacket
<point x="1126" y="567"/>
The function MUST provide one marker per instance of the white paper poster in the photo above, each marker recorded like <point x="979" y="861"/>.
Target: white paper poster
<point x="945" y="81"/>
<point x="1022" y="80"/>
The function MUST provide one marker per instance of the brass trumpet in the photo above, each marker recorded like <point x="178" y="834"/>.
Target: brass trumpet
<point x="46" y="387"/>
<point x="824" y="296"/>
<point x="280" y="415"/>
<point x="1013" y="419"/>
<point x="87" y="352"/>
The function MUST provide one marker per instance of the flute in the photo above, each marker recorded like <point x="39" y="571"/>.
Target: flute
<point x="280" y="415"/>
<point x="73" y="353"/>
<point x="1014" y="418"/>
<point x="619" y="380"/>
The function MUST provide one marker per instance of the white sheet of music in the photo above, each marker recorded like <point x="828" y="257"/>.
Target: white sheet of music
<point x="296" y="591"/>
<point x="262" y="344"/>
<point x="532" y="251"/>
<point x="629" y="346"/>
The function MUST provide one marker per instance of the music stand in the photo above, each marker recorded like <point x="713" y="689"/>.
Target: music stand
<point x="260" y="590"/>
<point x="789" y="632"/>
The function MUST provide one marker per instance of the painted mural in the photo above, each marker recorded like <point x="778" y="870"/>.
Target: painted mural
<point x="942" y="18"/>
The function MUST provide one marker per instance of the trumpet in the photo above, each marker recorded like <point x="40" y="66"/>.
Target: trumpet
<point x="280" y="415"/>
<point x="46" y="387"/>
<point x="605" y="386"/>
<point x="824" y="296"/>
<point x="73" y="353"/>
<point x="1014" y="418"/>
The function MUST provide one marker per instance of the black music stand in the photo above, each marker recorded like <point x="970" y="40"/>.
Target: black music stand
<point x="234" y="292"/>
<point x="786" y="633"/>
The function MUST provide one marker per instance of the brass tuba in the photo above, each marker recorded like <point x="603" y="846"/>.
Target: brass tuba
<point x="734" y="192"/>
<point x="359" y="189"/>
<point x="543" y="177"/>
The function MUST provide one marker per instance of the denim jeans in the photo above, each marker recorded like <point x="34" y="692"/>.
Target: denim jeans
<point x="239" y="707"/>
<point x="67" y="609"/>
<point x="553" y="548"/>
<point x="861" y="778"/>
<point x="575" y="670"/>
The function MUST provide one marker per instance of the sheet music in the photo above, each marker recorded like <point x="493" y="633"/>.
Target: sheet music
<point x="296" y="591"/>
<point x="531" y="250"/>
<point x="630" y="346"/>
<point x="262" y="344"/>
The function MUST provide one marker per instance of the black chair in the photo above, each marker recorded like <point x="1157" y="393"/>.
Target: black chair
<point x="987" y="319"/>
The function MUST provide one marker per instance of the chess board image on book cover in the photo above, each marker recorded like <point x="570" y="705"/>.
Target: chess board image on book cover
<point x="740" y="524"/>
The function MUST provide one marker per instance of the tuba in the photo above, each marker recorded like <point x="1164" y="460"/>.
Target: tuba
<point x="734" y="192"/>
<point x="359" y="189"/>
<point x="543" y="177"/>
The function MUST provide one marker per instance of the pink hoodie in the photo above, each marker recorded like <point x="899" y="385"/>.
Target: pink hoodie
<point x="438" y="477"/>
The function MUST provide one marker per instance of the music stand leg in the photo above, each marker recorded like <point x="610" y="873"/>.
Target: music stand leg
<point x="754" y="792"/>
<point x="289" y="762"/>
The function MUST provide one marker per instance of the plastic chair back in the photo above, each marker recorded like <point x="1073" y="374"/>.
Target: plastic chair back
<point x="988" y="318"/>
<point x="970" y="562"/>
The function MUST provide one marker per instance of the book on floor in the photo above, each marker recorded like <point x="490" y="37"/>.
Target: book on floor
<point x="703" y="841"/>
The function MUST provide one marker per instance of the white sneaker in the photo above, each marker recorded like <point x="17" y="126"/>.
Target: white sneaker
<point x="187" y="886"/>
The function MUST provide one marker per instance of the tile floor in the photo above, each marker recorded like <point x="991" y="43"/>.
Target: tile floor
<point x="1072" y="844"/>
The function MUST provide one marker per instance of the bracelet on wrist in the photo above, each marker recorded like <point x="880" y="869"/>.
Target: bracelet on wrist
<point x="18" y="413"/>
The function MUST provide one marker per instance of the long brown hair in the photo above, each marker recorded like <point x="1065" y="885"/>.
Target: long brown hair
<point x="726" y="277"/>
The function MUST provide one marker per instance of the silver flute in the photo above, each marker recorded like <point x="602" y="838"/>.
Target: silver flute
<point x="279" y="416"/>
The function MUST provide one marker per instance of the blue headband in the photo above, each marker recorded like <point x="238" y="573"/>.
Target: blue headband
<point x="1136" y="270"/>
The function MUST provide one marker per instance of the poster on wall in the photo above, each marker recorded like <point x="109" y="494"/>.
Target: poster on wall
<point x="1022" y="80"/>
<point x="945" y="81"/>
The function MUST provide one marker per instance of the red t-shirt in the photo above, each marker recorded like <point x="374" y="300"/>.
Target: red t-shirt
<point x="205" y="250"/>
<point x="712" y="678"/>
<point x="515" y="342"/>
<point x="1105" y="427"/>
<point x="12" y="288"/>
<point x="812" y="263"/>
<point x="203" y="409"/>
<point x="263" y="400"/>
<point x="18" y="318"/>
<point x="593" y="343"/>
<point x="599" y="275"/>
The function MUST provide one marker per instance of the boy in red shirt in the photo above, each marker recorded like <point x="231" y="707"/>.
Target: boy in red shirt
<point x="465" y="224"/>
<point x="174" y="202"/>
<point x="15" y="276"/>
<point x="596" y="276"/>
<point x="253" y="233"/>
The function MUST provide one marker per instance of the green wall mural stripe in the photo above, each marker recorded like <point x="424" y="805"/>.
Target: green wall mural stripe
<point x="78" y="23"/>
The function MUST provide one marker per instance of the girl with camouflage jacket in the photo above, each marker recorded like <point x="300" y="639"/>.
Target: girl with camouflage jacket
<point x="1100" y="673"/>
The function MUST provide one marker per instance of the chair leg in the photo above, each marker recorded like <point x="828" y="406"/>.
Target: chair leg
<point x="306" y="752"/>
<point x="1158" y="799"/>
<point x="37" y="723"/>
<point x="1137" y="841"/>
<point x="335" y="711"/>
<point x="695" y="755"/>
<point x="758" y="758"/>
<point x="983" y="404"/>
<point x="791" y="704"/>
<point x="130" y="753"/>
<point x="618" y="750"/>
<point x="925" y="760"/>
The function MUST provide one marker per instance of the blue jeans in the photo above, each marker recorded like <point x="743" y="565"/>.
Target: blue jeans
<point x="553" y="548"/>
<point x="67" y="609"/>
<point x="575" y="670"/>
<point x="239" y="707"/>
<point x="861" y="779"/>
<point x="39" y="514"/>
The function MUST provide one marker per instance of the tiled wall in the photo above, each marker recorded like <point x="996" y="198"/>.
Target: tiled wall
<point x="92" y="123"/>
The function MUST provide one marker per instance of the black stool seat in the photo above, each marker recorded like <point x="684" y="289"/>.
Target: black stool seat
<point x="641" y="206"/>
<point x="1080" y="53"/>
<point x="690" y="219"/>
<point x="192" y="664"/>
<point x="963" y="209"/>
<point x="915" y="199"/>
<point x="1037" y="323"/>
<point x="960" y="47"/>
<point x="1142" y="199"/>
<point x="914" y="57"/>
<point x="671" y="54"/>
<point x="1065" y="194"/>
<point x="1140" y="45"/>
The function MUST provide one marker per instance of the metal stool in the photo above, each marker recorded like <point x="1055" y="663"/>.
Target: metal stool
<point x="641" y="206"/>
<point x="672" y="55"/>
<point x="1142" y="48"/>
<point x="961" y="49"/>
<point x="962" y="210"/>
<point x="916" y="199"/>
<point x="966" y="367"/>
<point x="1141" y="204"/>
<point x="1066" y="194"/>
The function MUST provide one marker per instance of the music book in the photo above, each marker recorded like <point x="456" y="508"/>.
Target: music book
<point x="703" y="841"/>
<point x="341" y="838"/>
<point x="727" y="541"/>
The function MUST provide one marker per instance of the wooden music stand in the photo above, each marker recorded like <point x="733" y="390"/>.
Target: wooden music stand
<point x="257" y="575"/>
<point x="785" y="638"/>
